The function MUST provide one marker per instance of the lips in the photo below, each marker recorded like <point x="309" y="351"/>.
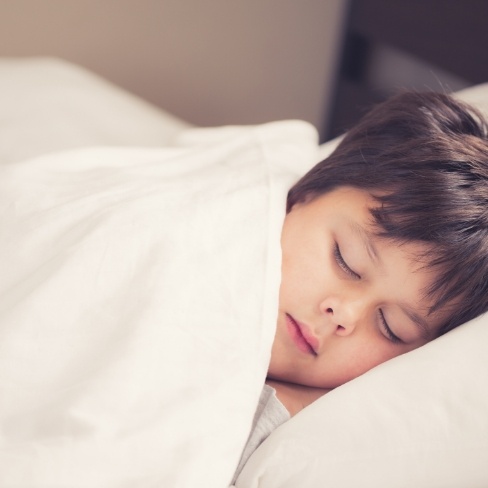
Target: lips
<point x="301" y="336"/>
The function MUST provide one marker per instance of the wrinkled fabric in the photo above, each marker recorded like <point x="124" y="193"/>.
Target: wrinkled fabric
<point x="138" y="299"/>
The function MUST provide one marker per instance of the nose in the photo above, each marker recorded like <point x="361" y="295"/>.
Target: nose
<point x="343" y="316"/>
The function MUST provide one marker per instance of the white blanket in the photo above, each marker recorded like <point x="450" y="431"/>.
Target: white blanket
<point x="138" y="294"/>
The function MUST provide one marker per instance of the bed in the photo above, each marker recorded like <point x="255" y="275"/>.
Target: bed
<point x="94" y="392"/>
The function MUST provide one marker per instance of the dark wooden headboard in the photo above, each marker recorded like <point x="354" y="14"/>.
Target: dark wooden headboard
<point x="420" y="44"/>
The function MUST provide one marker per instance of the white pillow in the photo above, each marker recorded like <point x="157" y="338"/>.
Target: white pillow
<point x="51" y="105"/>
<point x="420" y="420"/>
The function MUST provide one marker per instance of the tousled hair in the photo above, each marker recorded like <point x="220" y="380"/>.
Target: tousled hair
<point x="424" y="157"/>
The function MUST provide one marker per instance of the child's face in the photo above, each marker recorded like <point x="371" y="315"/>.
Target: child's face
<point x="348" y="300"/>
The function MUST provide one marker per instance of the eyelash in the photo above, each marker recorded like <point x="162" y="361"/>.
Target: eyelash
<point x="343" y="265"/>
<point x="390" y="335"/>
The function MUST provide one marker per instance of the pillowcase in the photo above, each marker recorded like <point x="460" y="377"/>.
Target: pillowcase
<point x="419" y="420"/>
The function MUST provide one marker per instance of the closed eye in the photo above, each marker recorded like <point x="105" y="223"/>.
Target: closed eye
<point x="342" y="263"/>
<point x="387" y="330"/>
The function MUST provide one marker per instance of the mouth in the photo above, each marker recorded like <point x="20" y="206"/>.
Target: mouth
<point x="300" y="335"/>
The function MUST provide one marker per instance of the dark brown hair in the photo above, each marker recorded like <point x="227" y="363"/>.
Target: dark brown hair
<point x="424" y="156"/>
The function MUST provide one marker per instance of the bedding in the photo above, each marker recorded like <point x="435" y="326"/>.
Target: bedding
<point x="139" y="301"/>
<point x="86" y="412"/>
<point x="48" y="104"/>
<point x="419" y="421"/>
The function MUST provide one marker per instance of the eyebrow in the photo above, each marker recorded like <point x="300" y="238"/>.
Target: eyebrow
<point x="366" y="240"/>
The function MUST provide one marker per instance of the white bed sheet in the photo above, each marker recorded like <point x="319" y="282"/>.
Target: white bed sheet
<point x="138" y="302"/>
<point x="115" y="370"/>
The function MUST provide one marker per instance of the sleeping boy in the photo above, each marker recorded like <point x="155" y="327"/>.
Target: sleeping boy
<point x="385" y="248"/>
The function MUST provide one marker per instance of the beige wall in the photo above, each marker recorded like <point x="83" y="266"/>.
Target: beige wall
<point x="210" y="62"/>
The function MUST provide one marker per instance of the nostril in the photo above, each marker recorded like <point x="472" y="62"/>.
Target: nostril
<point x="329" y="310"/>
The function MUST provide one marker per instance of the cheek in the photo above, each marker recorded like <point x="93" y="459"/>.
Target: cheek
<point x="305" y="273"/>
<point x="294" y="284"/>
<point x="358" y="356"/>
